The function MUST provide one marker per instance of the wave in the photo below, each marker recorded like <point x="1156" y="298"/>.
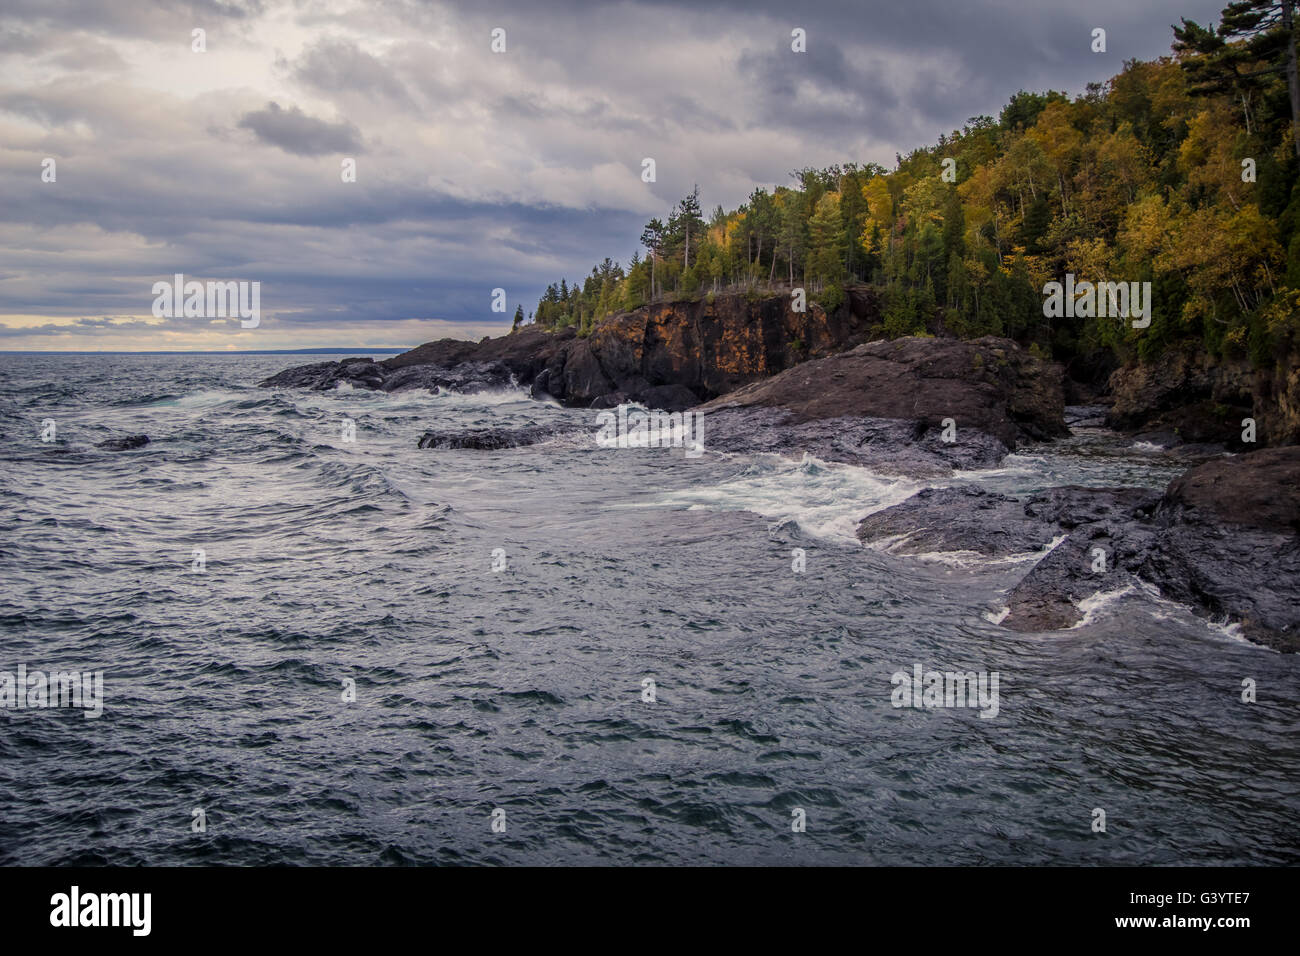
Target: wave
<point x="964" y="559"/>
<point x="825" y="499"/>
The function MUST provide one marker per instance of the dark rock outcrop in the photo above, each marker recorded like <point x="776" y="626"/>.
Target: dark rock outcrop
<point x="670" y="355"/>
<point x="358" y="372"/>
<point x="887" y="404"/>
<point x="968" y="518"/>
<point x="1095" y="556"/>
<point x="124" y="444"/>
<point x="467" y="377"/>
<point x="886" y="446"/>
<point x="1259" y="490"/>
<point x="1202" y="398"/>
<point x="988" y="384"/>
<point x="1223" y="538"/>
<point x="486" y="439"/>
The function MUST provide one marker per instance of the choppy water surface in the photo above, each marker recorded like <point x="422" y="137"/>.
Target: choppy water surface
<point x="521" y="690"/>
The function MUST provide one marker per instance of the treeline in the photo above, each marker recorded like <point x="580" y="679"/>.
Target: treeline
<point x="1180" y="172"/>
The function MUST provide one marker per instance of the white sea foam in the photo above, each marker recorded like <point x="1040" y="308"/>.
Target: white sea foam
<point x="826" y="500"/>
<point x="203" y="398"/>
<point x="996" y="616"/>
<point x="963" y="559"/>
<point x="490" y="398"/>
<point x="1100" y="603"/>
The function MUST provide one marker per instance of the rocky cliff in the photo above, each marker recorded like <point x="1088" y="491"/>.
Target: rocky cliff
<point x="1198" y="398"/>
<point x="668" y="355"/>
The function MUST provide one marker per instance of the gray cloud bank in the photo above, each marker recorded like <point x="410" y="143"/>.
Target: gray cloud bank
<point x="474" y="169"/>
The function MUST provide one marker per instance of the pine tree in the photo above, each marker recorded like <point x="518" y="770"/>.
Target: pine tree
<point x="1267" y="33"/>
<point x="687" y="218"/>
<point x="652" y="237"/>
<point x="826" y="257"/>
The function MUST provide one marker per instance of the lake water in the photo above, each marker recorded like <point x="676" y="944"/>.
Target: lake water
<point x="523" y="689"/>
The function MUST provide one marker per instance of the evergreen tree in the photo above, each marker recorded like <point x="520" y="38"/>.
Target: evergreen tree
<point x="1250" y="32"/>
<point x="686" y="220"/>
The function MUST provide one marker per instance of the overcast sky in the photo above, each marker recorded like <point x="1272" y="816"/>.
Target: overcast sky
<point x="475" y="169"/>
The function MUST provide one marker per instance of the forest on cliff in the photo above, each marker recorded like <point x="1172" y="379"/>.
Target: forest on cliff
<point x="1181" y="172"/>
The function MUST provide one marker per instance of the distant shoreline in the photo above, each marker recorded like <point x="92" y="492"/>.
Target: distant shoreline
<point x="360" y="350"/>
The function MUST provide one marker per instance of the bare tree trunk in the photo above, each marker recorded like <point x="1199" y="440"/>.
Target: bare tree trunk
<point x="1292" y="78"/>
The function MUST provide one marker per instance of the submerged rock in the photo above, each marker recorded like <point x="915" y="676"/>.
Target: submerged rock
<point x="487" y="439"/>
<point x="1085" y="416"/>
<point x="124" y="444"/>
<point x="959" y="518"/>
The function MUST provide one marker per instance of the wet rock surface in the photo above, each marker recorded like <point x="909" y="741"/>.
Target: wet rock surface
<point x="1085" y="416"/>
<point x="486" y="439"/>
<point x="468" y="377"/>
<point x="989" y="384"/>
<point x="914" y="406"/>
<point x="1223" y="538"/>
<point x="669" y="355"/>
<point x="887" y="446"/>
<point x="124" y="444"/>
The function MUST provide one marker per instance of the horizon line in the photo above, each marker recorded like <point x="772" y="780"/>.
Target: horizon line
<point x="323" y="350"/>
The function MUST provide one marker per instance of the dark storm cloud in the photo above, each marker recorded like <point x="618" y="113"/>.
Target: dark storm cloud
<point x="823" y="94"/>
<point x="908" y="69"/>
<point x="295" y="132"/>
<point x="335" y="65"/>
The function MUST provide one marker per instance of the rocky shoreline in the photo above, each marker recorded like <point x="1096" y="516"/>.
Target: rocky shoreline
<point x="1223" y="538"/>
<point x="671" y="355"/>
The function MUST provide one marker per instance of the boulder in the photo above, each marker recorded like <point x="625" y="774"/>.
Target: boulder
<point x="486" y="439"/>
<point x="913" y="406"/>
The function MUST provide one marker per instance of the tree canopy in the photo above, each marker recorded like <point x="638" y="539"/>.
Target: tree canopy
<point x="1181" y="172"/>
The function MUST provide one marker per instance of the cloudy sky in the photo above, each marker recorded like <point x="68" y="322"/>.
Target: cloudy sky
<point x="474" y="169"/>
